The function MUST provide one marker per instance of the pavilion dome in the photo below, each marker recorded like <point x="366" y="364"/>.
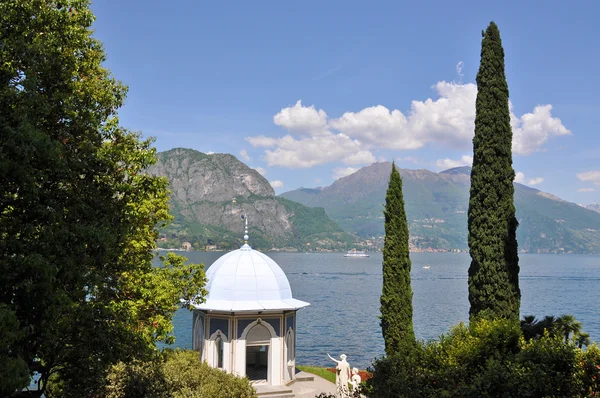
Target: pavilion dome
<point x="247" y="280"/>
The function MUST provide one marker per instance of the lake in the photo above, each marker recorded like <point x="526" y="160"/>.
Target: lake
<point x="344" y="296"/>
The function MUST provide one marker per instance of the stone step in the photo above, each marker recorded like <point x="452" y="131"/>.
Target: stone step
<point x="304" y="376"/>
<point x="274" y="392"/>
<point x="279" y="396"/>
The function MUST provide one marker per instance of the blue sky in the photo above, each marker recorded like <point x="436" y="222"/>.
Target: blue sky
<point x="376" y="81"/>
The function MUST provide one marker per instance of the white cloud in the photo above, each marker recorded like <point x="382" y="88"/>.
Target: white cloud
<point x="210" y="153"/>
<point x="448" y="120"/>
<point x="519" y="177"/>
<point x="304" y="120"/>
<point x="261" y="171"/>
<point x="445" y="164"/>
<point x="340" y="172"/>
<point x="262" y="141"/>
<point x="276" y="183"/>
<point x="586" y="190"/>
<point x="459" y="68"/>
<point x="535" y="181"/>
<point x="532" y="130"/>
<point x="244" y="155"/>
<point x="590" y="176"/>
<point x="309" y="152"/>
<point x="377" y="126"/>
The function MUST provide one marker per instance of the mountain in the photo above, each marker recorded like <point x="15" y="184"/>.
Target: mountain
<point x="436" y="207"/>
<point x="210" y="193"/>
<point x="594" y="207"/>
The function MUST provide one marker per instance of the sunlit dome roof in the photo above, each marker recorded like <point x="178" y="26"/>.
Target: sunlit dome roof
<point x="247" y="280"/>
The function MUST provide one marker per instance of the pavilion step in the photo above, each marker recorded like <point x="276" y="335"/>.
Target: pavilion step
<point x="304" y="376"/>
<point x="274" y="392"/>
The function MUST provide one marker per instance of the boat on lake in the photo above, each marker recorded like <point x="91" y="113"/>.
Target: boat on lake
<point x="356" y="253"/>
<point x="426" y="266"/>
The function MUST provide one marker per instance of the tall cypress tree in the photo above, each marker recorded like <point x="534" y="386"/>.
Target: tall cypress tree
<point x="396" y="297"/>
<point x="494" y="271"/>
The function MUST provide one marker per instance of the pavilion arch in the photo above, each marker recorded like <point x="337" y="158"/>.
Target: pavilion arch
<point x="256" y="333"/>
<point x="217" y="351"/>
<point x="290" y="354"/>
<point x="198" y="336"/>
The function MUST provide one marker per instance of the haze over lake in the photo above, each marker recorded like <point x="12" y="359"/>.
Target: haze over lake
<point x="344" y="296"/>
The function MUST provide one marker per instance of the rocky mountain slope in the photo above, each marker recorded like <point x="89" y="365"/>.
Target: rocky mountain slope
<point x="210" y="193"/>
<point x="436" y="206"/>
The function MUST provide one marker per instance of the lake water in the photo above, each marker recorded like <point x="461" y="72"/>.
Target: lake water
<point x="344" y="296"/>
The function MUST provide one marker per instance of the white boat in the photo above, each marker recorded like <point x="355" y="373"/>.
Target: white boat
<point x="356" y="253"/>
<point x="426" y="266"/>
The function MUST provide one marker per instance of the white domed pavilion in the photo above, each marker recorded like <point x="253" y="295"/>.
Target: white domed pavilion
<point x="247" y="325"/>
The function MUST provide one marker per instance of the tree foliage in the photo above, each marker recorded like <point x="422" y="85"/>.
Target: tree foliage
<point x="565" y="326"/>
<point x="14" y="373"/>
<point x="396" y="297"/>
<point x="78" y="215"/>
<point x="494" y="271"/>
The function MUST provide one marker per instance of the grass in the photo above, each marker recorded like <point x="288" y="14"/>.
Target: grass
<point x="322" y="372"/>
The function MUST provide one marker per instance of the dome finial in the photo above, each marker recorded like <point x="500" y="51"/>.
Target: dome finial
<point x="246" y="230"/>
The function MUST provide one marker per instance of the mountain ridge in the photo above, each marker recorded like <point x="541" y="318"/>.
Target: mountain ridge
<point x="437" y="204"/>
<point x="211" y="192"/>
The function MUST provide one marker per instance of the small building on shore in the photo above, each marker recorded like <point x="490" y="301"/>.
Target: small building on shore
<point x="247" y="325"/>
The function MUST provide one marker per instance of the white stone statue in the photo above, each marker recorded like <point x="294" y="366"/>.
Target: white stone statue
<point x="355" y="381"/>
<point x="342" y="377"/>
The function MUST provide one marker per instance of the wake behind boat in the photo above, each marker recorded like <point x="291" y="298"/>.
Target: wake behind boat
<point x="356" y="253"/>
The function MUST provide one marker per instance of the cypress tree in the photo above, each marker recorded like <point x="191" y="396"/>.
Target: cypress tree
<point x="494" y="271"/>
<point x="396" y="297"/>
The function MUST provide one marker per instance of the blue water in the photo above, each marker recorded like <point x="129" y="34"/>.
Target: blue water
<point x="344" y="296"/>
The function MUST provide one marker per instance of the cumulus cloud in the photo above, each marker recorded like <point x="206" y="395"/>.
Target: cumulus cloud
<point x="535" y="181"/>
<point x="532" y="130"/>
<point x="459" y="68"/>
<point x="276" y="183"/>
<point x="445" y="164"/>
<point x="448" y="121"/>
<point x="590" y="176"/>
<point x="261" y="171"/>
<point x="340" y="172"/>
<point x="244" y="155"/>
<point x="519" y="177"/>
<point x="308" y="152"/>
<point x="586" y="190"/>
<point x="305" y="120"/>
<point x="377" y="126"/>
<point x="262" y="141"/>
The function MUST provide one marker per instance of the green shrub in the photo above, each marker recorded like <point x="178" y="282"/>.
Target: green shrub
<point x="137" y="379"/>
<point x="489" y="359"/>
<point x="178" y="374"/>
<point x="588" y="370"/>
<point x="545" y="367"/>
